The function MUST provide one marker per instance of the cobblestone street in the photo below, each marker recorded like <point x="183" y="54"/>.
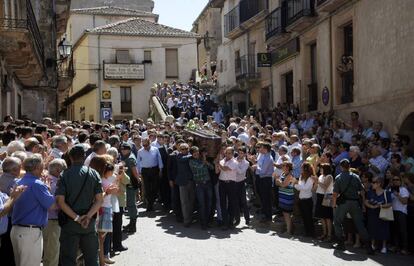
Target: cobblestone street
<point x="161" y="241"/>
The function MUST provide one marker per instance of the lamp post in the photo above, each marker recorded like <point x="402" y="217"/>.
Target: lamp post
<point x="64" y="49"/>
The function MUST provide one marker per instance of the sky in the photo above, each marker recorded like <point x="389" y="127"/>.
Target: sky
<point x="179" y="13"/>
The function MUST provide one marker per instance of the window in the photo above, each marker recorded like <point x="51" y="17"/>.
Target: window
<point x="313" y="86"/>
<point x="237" y="62"/>
<point x="126" y="102"/>
<point x="122" y="57"/>
<point x="346" y="68"/>
<point x="171" y="63"/>
<point x="19" y="106"/>
<point x="147" y="56"/>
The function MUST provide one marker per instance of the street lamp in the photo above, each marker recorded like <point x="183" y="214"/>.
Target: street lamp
<point x="64" y="49"/>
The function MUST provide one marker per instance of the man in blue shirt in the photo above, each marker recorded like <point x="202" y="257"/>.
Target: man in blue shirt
<point x="264" y="169"/>
<point x="343" y="154"/>
<point x="30" y="214"/>
<point x="296" y="162"/>
<point x="150" y="167"/>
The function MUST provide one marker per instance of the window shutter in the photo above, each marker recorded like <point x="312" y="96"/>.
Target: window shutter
<point x="122" y="57"/>
<point x="147" y="55"/>
<point x="171" y="62"/>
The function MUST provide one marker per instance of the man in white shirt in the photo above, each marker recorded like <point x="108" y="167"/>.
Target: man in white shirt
<point x="99" y="148"/>
<point x="242" y="135"/>
<point x="227" y="188"/>
<point x="294" y="140"/>
<point x="243" y="165"/>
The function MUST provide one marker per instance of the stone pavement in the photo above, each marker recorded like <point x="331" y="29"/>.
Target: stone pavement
<point x="159" y="240"/>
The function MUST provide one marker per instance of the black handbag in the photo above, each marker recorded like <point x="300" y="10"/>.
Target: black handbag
<point x="62" y="217"/>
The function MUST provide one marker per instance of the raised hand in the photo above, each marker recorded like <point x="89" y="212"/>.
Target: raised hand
<point x="16" y="192"/>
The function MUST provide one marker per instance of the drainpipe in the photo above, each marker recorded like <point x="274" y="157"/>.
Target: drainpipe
<point x="248" y="66"/>
<point x="331" y="94"/>
<point x="99" y="79"/>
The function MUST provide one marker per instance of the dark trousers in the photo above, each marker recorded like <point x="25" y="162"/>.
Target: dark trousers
<point x="6" y="248"/>
<point x="354" y="209"/>
<point x="204" y="193"/>
<point x="117" y="228"/>
<point x="400" y="236"/>
<point x="264" y="189"/>
<point x="165" y="192"/>
<point x="176" y="202"/>
<point x="74" y="237"/>
<point x="151" y="181"/>
<point x="242" y="201"/>
<point x="228" y="201"/>
<point x="306" y="207"/>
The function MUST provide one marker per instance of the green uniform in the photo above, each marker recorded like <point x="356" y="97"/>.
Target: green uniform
<point x="350" y="204"/>
<point x="73" y="236"/>
<point x="131" y="192"/>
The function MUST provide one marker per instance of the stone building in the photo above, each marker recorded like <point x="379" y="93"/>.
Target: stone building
<point x="345" y="55"/>
<point x="208" y="26"/>
<point x="118" y="55"/>
<point x="30" y="31"/>
<point x="241" y="82"/>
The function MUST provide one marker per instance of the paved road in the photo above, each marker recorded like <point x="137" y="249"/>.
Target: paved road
<point x="161" y="241"/>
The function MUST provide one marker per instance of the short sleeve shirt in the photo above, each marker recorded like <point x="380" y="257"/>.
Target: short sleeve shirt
<point x="341" y="183"/>
<point x="70" y="184"/>
<point x="130" y="162"/>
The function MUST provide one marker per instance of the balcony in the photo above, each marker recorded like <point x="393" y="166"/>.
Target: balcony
<point x="275" y="27"/>
<point x="245" y="15"/>
<point x="245" y="68"/>
<point x="22" y="44"/>
<point x="300" y="14"/>
<point x="329" y="5"/>
<point x="62" y="15"/>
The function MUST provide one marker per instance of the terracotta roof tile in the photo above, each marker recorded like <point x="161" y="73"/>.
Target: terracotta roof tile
<point x="140" y="27"/>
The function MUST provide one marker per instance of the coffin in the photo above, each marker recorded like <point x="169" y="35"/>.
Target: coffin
<point x="205" y="139"/>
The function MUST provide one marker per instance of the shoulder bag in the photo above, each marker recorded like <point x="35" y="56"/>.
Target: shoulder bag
<point x="386" y="214"/>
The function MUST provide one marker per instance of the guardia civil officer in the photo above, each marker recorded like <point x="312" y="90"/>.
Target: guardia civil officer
<point x="79" y="195"/>
<point x="346" y="199"/>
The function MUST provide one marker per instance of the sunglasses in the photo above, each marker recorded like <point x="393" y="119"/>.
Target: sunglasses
<point x="396" y="180"/>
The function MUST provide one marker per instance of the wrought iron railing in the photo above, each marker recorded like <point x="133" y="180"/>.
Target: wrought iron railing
<point x="297" y="9"/>
<point x="28" y="23"/>
<point x="66" y="68"/>
<point x="232" y="20"/>
<point x="250" y="8"/>
<point x="274" y="23"/>
<point x="245" y="67"/>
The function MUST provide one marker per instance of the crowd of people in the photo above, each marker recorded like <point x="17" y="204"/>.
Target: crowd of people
<point x="66" y="188"/>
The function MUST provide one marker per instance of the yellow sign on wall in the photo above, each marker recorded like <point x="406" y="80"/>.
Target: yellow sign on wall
<point x="106" y="95"/>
